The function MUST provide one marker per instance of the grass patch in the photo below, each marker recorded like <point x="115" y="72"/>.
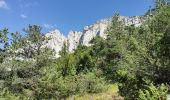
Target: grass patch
<point x="110" y="94"/>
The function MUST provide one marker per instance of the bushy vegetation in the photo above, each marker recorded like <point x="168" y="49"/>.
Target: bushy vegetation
<point x="136" y="58"/>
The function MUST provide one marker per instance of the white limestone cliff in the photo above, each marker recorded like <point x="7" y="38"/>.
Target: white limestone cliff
<point x="91" y="31"/>
<point x="55" y="41"/>
<point x="56" y="38"/>
<point x="73" y="39"/>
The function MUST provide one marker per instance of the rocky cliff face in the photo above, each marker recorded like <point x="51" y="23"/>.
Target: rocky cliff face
<point x="55" y="41"/>
<point x="97" y="29"/>
<point x="73" y="39"/>
<point x="56" y="38"/>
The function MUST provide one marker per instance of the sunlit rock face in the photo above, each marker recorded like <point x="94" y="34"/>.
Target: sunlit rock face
<point x="73" y="39"/>
<point x="97" y="29"/>
<point x="56" y="39"/>
<point x="136" y="20"/>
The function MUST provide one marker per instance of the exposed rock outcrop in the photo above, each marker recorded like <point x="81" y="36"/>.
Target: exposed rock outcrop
<point x="55" y="41"/>
<point x="73" y="39"/>
<point x="56" y="38"/>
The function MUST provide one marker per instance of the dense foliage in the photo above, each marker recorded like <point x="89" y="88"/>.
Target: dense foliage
<point x="137" y="58"/>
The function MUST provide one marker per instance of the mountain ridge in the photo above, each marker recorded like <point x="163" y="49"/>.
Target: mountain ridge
<point x="74" y="38"/>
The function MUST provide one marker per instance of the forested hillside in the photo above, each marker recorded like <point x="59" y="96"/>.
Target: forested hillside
<point x="135" y="58"/>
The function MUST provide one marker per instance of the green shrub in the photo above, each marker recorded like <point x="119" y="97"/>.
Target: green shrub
<point x="153" y="93"/>
<point x="91" y="83"/>
<point x="57" y="87"/>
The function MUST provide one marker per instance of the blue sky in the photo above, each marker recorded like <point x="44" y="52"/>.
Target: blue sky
<point x="65" y="15"/>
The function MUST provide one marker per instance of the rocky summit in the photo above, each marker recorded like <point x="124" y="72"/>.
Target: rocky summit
<point x="57" y="39"/>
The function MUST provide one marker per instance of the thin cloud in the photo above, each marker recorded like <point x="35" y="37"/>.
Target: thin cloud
<point x="49" y="26"/>
<point x="31" y="4"/>
<point x="23" y="16"/>
<point x="3" y="5"/>
<point x="24" y="5"/>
